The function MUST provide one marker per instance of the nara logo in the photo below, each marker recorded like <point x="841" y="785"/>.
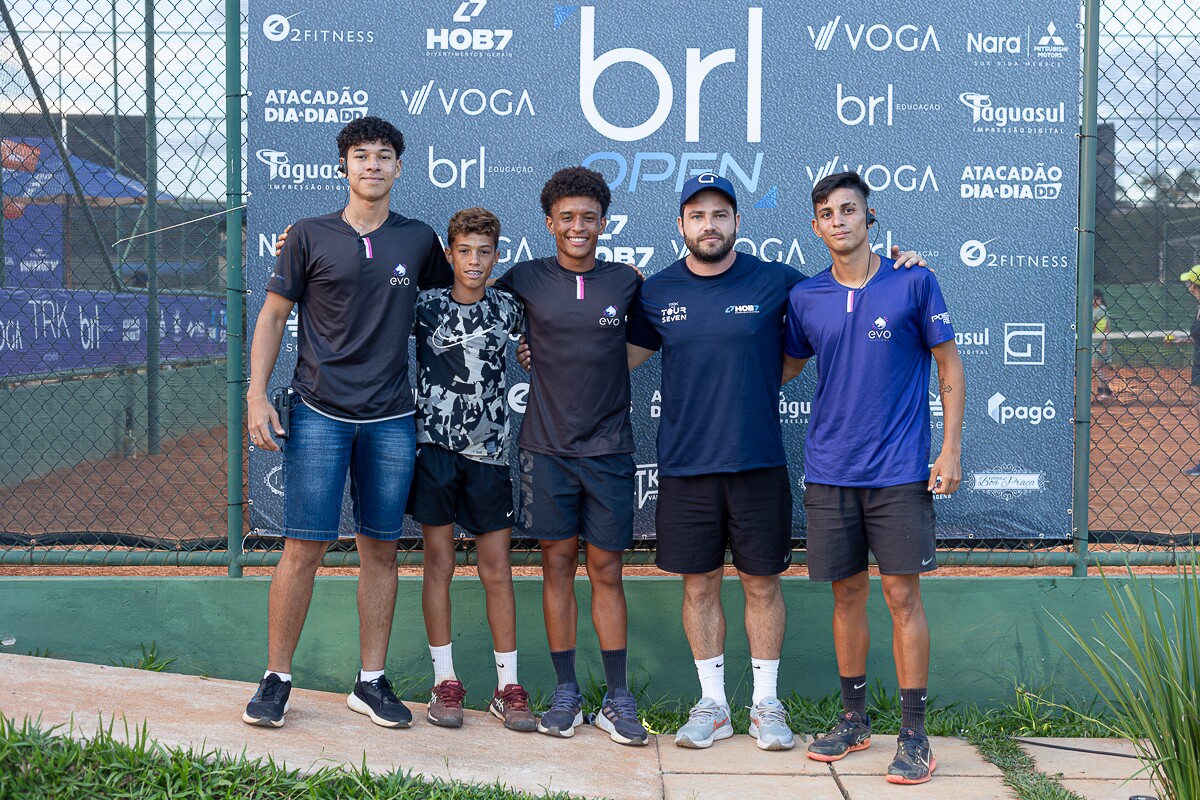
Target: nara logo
<point x="879" y="329"/>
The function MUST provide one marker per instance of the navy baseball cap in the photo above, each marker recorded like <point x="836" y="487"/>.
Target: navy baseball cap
<point x="704" y="182"/>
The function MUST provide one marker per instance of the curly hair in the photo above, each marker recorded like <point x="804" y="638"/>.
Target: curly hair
<point x="576" y="182"/>
<point x="369" y="129"/>
<point x="473" y="220"/>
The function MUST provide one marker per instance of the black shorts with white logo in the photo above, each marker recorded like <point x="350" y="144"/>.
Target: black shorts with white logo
<point x="894" y="523"/>
<point x="448" y="487"/>
<point x="699" y="516"/>
<point x="586" y="496"/>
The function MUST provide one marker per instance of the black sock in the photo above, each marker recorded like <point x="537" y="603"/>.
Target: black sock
<point x="564" y="665"/>
<point x="912" y="709"/>
<point x="854" y="694"/>
<point x="614" y="668"/>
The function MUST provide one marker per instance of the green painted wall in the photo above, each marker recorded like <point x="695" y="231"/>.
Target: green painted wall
<point x="988" y="633"/>
<point x="61" y="424"/>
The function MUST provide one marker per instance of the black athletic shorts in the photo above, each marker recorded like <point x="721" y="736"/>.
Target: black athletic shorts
<point x="448" y="487"/>
<point x="699" y="516"/>
<point x="895" y="523"/>
<point x="586" y="496"/>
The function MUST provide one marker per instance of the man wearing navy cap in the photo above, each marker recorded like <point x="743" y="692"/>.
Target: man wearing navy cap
<point x="717" y="315"/>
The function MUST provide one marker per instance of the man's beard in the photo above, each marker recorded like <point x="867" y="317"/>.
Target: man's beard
<point x="710" y="253"/>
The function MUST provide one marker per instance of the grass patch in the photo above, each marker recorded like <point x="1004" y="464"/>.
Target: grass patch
<point x="40" y="763"/>
<point x="1020" y="773"/>
<point x="149" y="660"/>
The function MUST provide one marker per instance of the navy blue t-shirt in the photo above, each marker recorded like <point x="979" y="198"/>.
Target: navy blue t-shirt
<point x="721" y="338"/>
<point x="870" y="413"/>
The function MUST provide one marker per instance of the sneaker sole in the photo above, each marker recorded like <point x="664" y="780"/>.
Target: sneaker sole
<point x="863" y="745"/>
<point x="449" y="722"/>
<point x="563" y="733"/>
<point x="526" y="726"/>
<point x="263" y="722"/>
<point x="356" y="704"/>
<point x="604" y="724"/>
<point x="724" y="732"/>
<point x="911" y="781"/>
<point x="774" y="744"/>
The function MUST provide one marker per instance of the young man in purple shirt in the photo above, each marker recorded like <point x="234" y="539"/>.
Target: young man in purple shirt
<point x="874" y="331"/>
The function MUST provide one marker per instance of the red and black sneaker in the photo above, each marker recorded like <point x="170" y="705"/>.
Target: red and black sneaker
<point x="446" y="704"/>
<point x="511" y="705"/>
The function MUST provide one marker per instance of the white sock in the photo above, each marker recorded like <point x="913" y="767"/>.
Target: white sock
<point x="286" y="677"/>
<point x="368" y="675"/>
<point x="443" y="663"/>
<point x="506" y="668"/>
<point x="766" y="678"/>
<point x="712" y="678"/>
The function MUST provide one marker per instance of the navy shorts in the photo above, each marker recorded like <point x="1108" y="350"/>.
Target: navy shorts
<point x="586" y="496"/>
<point x="699" y="516"/>
<point x="894" y="523"/>
<point x="317" y="456"/>
<point x="450" y="488"/>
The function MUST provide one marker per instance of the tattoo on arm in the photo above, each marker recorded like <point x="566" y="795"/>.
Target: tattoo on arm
<point x="946" y="388"/>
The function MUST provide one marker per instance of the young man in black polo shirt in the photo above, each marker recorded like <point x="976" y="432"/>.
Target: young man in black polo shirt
<point x="576" y="459"/>
<point x="355" y="275"/>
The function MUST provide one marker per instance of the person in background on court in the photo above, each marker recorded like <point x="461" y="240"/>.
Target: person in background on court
<point x="1101" y="347"/>
<point x="1192" y="279"/>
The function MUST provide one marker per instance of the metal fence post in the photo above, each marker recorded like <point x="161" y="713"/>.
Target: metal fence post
<point x="1083" y="305"/>
<point x="235" y="336"/>
<point x="153" y="329"/>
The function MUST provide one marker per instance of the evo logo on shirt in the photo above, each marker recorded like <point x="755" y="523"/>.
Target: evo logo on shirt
<point x="400" y="275"/>
<point x="610" y="317"/>
<point x="744" y="309"/>
<point x="879" y="329"/>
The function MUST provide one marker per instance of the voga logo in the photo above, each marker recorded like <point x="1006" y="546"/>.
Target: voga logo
<point x="987" y="115"/>
<point x="472" y="102"/>
<point x="794" y="411"/>
<point x="461" y="41"/>
<point x="879" y="329"/>
<point x="610" y="318"/>
<point x="400" y="275"/>
<point x="878" y="37"/>
<point x="696" y="69"/>
<point x="1011" y="182"/>
<point x="905" y="177"/>
<point x="279" y="28"/>
<point x="674" y="313"/>
<point x="297" y="176"/>
<point x="742" y="309"/>
<point x="1003" y="412"/>
<point x="315" y="105"/>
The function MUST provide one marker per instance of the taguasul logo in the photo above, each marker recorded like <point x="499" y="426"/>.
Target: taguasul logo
<point x="283" y="174"/>
<point x="279" y="28"/>
<point x="987" y="116"/>
<point x="1003" y="412"/>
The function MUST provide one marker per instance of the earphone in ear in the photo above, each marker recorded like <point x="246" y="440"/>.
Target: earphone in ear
<point x="341" y="168"/>
<point x="870" y="218"/>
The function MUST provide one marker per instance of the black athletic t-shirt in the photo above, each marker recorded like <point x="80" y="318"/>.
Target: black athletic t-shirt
<point x="355" y="297"/>
<point x="579" y="389"/>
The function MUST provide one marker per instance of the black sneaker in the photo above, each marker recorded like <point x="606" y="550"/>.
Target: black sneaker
<point x="269" y="704"/>
<point x="376" y="700"/>
<point x="853" y="732"/>
<point x="565" y="712"/>
<point x="914" y="762"/>
<point x="618" y="718"/>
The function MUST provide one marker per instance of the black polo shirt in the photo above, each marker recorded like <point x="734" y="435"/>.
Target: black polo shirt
<point x="578" y="401"/>
<point x="356" y="296"/>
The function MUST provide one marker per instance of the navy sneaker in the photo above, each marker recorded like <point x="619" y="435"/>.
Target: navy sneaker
<point x="269" y="704"/>
<point x="914" y="762"/>
<point x="618" y="718"/>
<point x="565" y="712"/>
<point x="1193" y="471"/>
<point x="853" y="732"/>
<point x="376" y="700"/>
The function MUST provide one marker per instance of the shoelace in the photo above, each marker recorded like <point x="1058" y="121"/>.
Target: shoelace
<point x="843" y="727"/>
<point x="913" y="749"/>
<point x="705" y="714"/>
<point x="624" y="707"/>
<point x="774" y="714"/>
<point x="270" y="690"/>
<point x="563" y="700"/>
<point x="451" y="693"/>
<point x="385" y="690"/>
<point x="515" y="697"/>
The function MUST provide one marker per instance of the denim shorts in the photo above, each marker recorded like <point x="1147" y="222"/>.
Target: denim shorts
<point x="317" y="456"/>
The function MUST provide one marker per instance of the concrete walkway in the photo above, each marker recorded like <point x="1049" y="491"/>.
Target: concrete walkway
<point x="189" y="711"/>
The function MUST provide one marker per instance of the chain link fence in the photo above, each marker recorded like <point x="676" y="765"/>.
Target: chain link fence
<point x="113" y="288"/>
<point x="1144" y="428"/>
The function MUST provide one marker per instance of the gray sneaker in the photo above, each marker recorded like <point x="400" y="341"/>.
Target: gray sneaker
<point x="769" y="725"/>
<point x="707" y="722"/>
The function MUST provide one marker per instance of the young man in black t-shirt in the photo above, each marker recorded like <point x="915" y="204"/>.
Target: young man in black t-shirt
<point x="354" y="275"/>
<point x="576" y="457"/>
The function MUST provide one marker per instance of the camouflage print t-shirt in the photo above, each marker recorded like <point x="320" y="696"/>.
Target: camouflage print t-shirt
<point x="461" y="357"/>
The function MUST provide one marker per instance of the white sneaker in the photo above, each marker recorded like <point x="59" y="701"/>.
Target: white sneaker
<point x="707" y="722"/>
<point x="769" y="725"/>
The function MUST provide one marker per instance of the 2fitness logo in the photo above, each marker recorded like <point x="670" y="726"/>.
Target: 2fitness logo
<point x="279" y="28"/>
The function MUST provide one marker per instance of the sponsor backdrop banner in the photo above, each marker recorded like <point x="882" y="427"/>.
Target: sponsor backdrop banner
<point x="963" y="122"/>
